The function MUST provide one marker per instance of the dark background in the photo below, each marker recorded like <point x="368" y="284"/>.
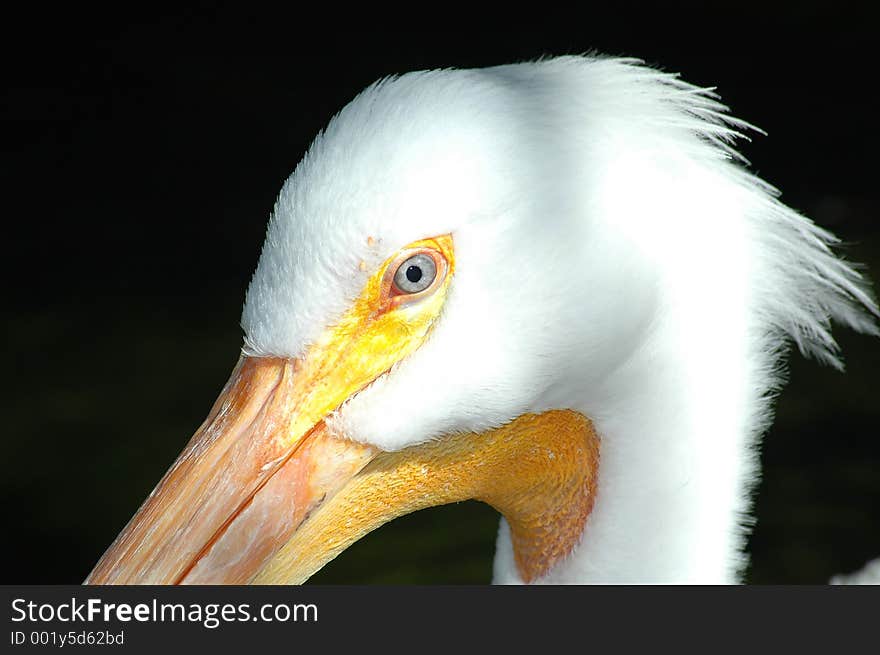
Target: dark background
<point x="141" y="156"/>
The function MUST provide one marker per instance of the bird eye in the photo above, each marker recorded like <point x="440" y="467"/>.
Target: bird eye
<point x="415" y="274"/>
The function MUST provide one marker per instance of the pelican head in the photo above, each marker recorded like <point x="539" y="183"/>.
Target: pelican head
<point x="550" y="286"/>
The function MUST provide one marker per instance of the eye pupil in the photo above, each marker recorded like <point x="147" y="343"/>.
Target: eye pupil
<point x="413" y="274"/>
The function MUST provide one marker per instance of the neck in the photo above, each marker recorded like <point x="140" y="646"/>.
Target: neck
<point x="676" y="464"/>
<point x="673" y="485"/>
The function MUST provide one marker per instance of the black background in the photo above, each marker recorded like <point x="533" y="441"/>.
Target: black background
<point x="142" y="152"/>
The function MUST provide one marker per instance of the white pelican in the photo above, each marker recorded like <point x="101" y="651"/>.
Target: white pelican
<point x="550" y="286"/>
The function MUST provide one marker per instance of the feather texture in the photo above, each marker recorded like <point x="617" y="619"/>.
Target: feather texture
<point x="613" y="256"/>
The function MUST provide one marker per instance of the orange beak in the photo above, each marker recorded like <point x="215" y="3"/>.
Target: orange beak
<point x="263" y="493"/>
<point x="237" y="491"/>
<point x="263" y="460"/>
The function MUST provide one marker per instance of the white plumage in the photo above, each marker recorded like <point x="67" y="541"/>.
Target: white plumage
<point x="869" y="574"/>
<point x="613" y="257"/>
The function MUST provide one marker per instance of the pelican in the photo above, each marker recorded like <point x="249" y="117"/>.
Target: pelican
<point x="551" y="286"/>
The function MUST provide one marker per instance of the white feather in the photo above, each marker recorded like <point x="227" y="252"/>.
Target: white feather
<point x="613" y="256"/>
<point x="867" y="575"/>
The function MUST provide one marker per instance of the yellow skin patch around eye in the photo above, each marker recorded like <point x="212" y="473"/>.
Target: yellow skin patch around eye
<point x="381" y="329"/>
